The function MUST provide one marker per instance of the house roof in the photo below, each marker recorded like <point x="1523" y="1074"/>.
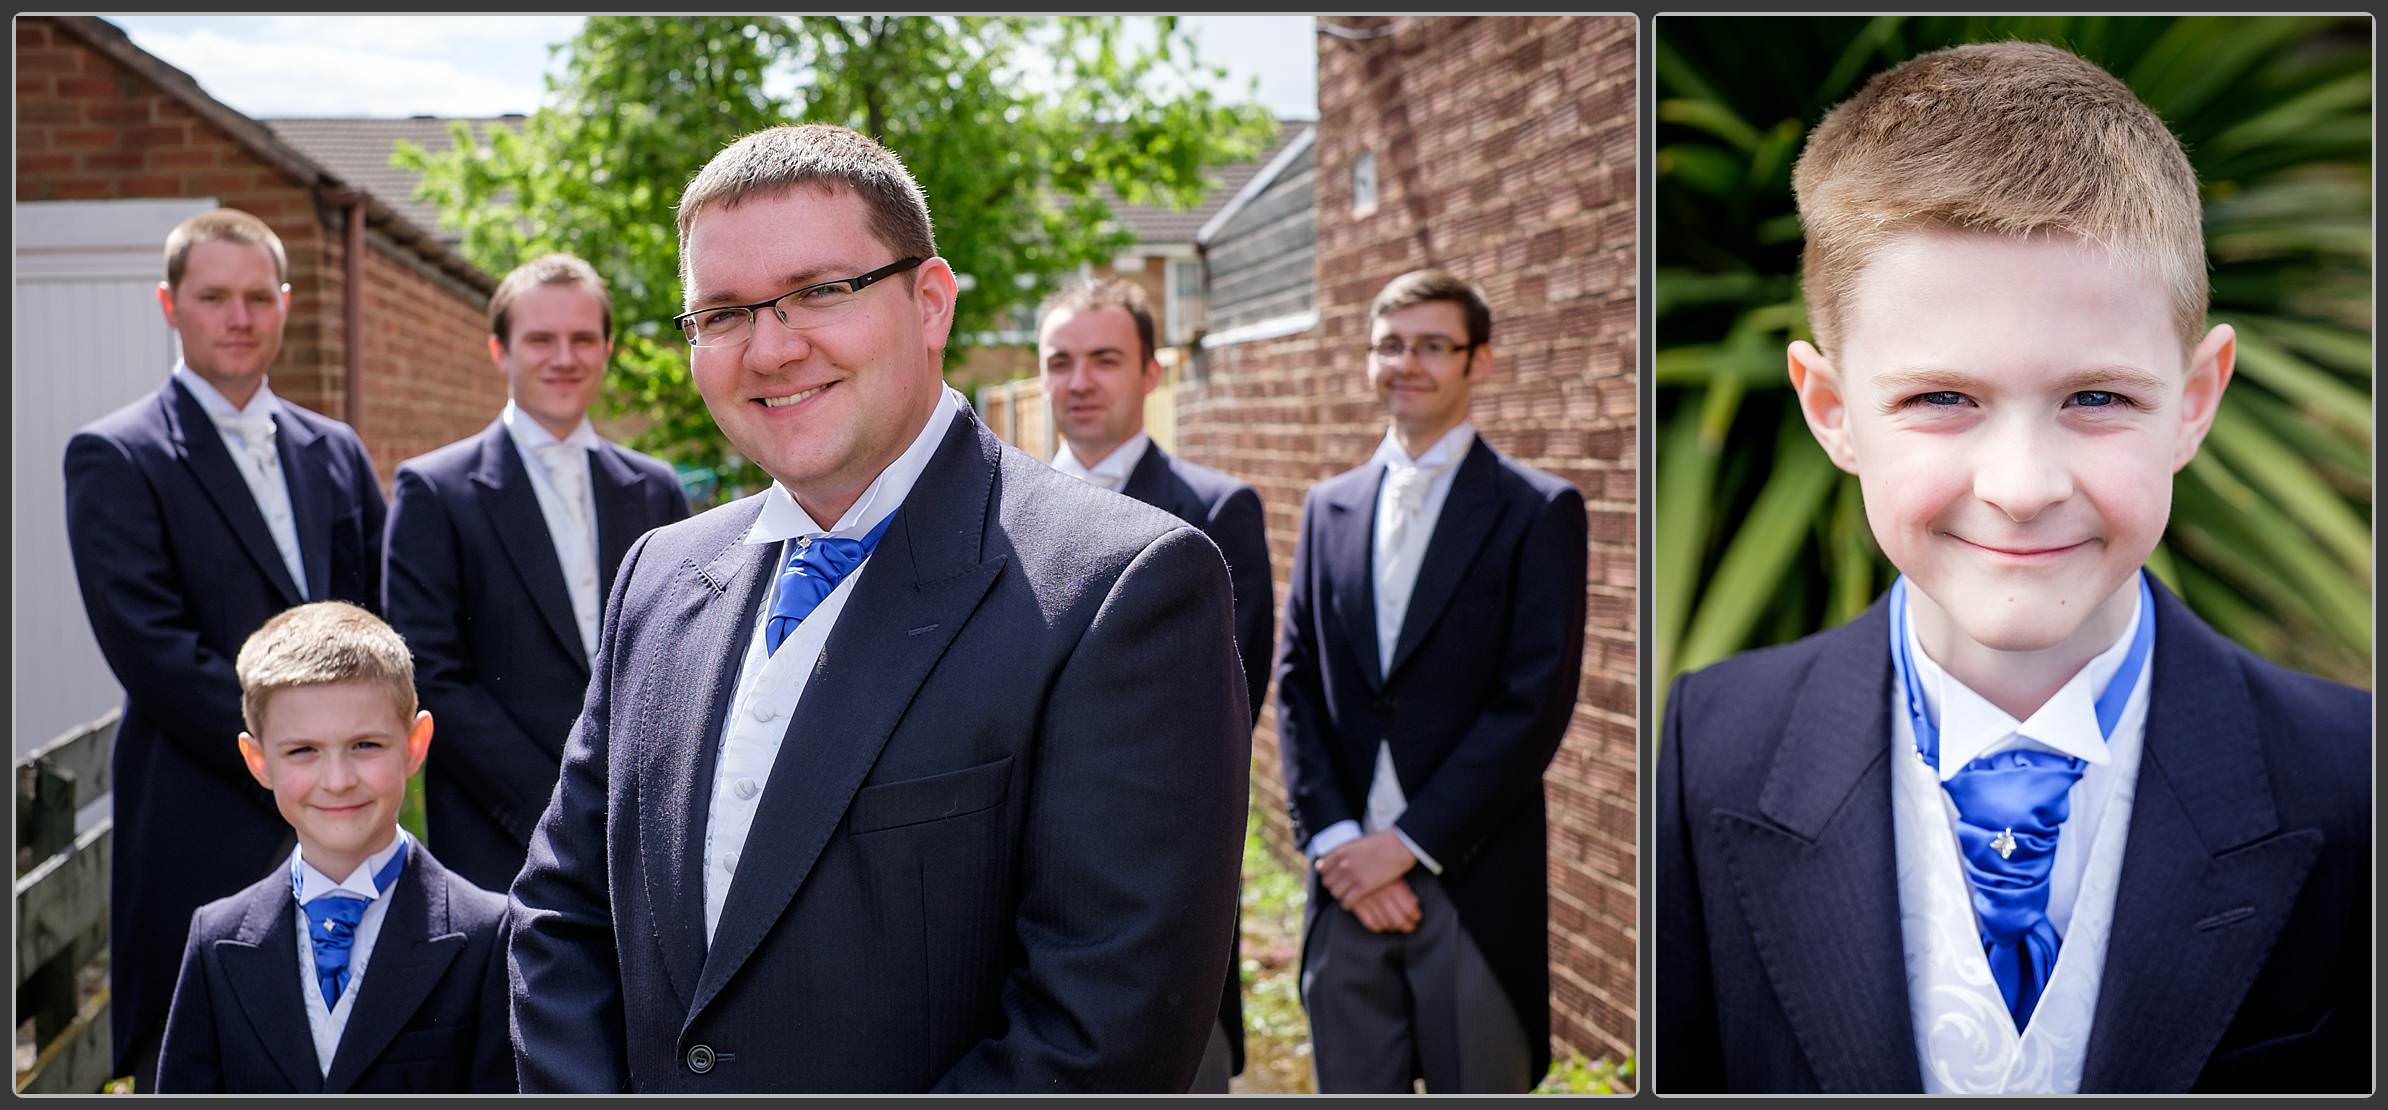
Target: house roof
<point x="359" y="150"/>
<point x="303" y="168"/>
<point x="1168" y="225"/>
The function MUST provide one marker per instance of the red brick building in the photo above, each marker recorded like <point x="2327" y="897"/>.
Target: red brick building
<point x="1501" y="149"/>
<point x="387" y="327"/>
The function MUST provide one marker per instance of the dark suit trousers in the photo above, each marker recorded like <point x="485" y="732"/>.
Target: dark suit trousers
<point x="1387" y="1008"/>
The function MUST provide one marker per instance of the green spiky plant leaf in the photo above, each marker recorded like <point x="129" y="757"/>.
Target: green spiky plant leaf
<point x="1758" y="539"/>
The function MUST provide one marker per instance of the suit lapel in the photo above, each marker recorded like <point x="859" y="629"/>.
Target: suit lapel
<point x="201" y="447"/>
<point x="307" y="474"/>
<point x="410" y="954"/>
<point x="513" y="510"/>
<point x="1470" y="512"/>
<point x="1817" y="872"/>
<point x="614" y="485"/>
<point x="1149" y="483"/>
<point x="926" y="578"/>
<point x="2208" y="877"/>
<point x="679" y="738"/>
<point x="1348" y="540"/>
<point x="260" y="961"/>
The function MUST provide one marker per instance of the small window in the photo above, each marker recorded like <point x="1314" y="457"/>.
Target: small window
<point x="1364" y="183"/>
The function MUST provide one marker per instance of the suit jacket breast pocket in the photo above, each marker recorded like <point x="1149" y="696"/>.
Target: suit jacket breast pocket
<point x="894" y="805"/>
<point x="449" y="1043"/>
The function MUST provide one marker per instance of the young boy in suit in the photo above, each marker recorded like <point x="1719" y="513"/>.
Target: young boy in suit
<point x="2027" y="824"/>
<point x="275" y="994"/>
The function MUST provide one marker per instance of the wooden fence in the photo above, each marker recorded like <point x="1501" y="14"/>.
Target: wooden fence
<point x="62" y="910"/>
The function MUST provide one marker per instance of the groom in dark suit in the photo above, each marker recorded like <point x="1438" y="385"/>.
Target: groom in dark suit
<point x="1095" y="340"/>
<point x="874" y="788"/>
<point x="501" y="548"/>
<point x="193" y="515"/>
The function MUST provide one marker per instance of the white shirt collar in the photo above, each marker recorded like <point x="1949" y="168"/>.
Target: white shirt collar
<point x="530" y="435"/>
<point x="1452" y="447"/>
<point x="1117" y="465"/>
<point x="2067" y="722"/>
<point x="783" y="519"/>
<point x="262" y="404"/>
<point x="314" y="884"/>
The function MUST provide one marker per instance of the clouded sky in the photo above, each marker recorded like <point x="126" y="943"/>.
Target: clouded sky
<point x="382" y="65"/>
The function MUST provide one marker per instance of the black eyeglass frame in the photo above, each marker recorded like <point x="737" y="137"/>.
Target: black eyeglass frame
<point x="1412" y="348"/>
<point x="860" y="282"/>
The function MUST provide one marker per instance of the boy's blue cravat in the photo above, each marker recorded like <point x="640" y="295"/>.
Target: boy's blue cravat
<point x="2010" y="807"/>
<point x="813" y="570"/>
<point x="332" y="926"/>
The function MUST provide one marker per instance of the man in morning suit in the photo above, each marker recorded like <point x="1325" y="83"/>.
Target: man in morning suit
<point x="1095" y="340"/>
<point x="500" y="550"/>
<point x="1434" y="639"/>
<point x="874" y="788"/>
<point x="193" y="515"/>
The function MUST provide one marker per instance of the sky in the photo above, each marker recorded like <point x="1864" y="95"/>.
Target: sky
<point x="401" y="65"/>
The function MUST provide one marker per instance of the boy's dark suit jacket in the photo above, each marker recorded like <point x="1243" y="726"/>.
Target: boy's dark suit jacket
<point x="2241" y="951"/>
<point x="1228" y="511"/>
<point x="998" y="850"/>
<point x="1474" y="705"/>
<point x="473" y="583"/>
<point x="430" y="1013"/>
<point x="177" y="569"/>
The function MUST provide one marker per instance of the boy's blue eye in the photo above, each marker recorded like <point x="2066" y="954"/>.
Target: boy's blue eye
<point x="1942" y="398"/>
<point x="2096" y="399"/>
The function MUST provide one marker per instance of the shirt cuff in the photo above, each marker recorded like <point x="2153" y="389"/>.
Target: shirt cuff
<point x="1431" y="866"/>
<point x="1332" y="837"/>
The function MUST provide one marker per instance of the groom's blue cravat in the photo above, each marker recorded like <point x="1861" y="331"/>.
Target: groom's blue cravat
<point x="2010" y="807"/>
<point x="814" y="568"/>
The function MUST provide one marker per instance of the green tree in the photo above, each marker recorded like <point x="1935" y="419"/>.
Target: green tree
<point x="1015" y="127"/>
<point x="1758" y="539"/>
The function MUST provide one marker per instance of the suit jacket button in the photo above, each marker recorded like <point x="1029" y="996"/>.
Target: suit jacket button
<point x="700" y="1059"/>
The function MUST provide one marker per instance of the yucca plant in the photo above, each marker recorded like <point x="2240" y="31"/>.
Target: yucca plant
<point x="1758" y="539"/>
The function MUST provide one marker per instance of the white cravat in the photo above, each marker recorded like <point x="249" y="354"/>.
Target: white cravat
<point x="772" y="683"/>
<point x="1112" y="471"/>
<point x="248" y="435"/>
<point x="326" y="1024"/>
<point x="1408" y="504"/>
<point x="1965" y="1041"/>
<point x="559" y="470"/>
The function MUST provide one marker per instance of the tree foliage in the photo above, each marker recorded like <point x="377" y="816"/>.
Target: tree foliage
<point x="1014" y="126"/>
<point x="1760" y="540"/>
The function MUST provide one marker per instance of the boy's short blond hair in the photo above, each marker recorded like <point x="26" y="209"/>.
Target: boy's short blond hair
<point x="2012" y="138"/>
<point x="321" y="643"/>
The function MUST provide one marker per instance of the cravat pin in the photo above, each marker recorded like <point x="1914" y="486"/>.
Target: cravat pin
<point x="2004" y="842"/>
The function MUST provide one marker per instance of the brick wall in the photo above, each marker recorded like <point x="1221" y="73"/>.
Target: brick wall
<point x="88" y="128"/>
<point x="427" y="373"/>
<point x="1504" y="151"/>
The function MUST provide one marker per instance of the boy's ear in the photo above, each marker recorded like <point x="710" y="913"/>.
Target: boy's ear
<point x="2209" y="373"/>
<point x="253" y="754"/>
<point x="418" y="741"/>
<point x="1818" y="385"/>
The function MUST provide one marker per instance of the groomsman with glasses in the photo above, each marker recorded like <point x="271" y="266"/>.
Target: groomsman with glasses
<point x="1434" y="639"/>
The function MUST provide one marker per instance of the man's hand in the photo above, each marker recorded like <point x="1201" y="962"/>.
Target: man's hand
<point x="1391" y="908"/>
<point x="1361" y="867"/>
